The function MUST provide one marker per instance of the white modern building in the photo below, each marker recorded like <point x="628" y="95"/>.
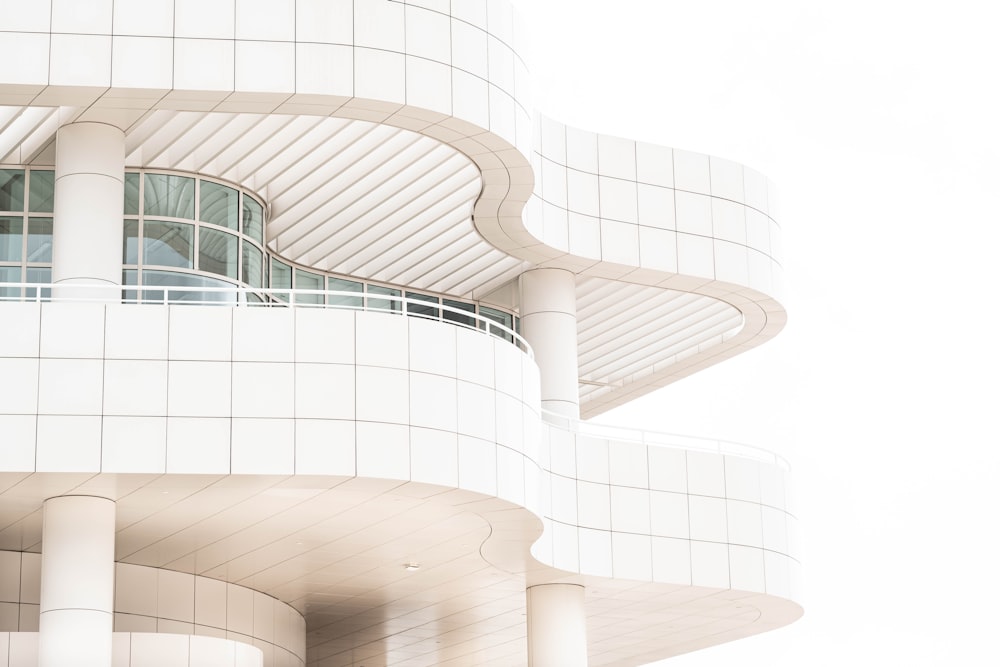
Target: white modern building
<point x="301" y="307"/>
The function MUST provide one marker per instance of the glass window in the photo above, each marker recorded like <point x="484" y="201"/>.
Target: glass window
<point x="129" y="277"/>
<point x="281" y="278"/>
<point x="391" y="305"/>
<point x="500" y="317"/>
<point x="219" y="205"/>
<point x="10" y="274"/>
<point x="167" y="243"/>
<point x="130" y="242"/>
<point x="307" y="280"/>
<point x="170" y="196"/>
<point x="458" y="318"/>
<point x="41" y="190"/>
<point x="341" y="285"/>
<point x="38" y="274"/>
<point x="217" y="252"/>
<point x="185" y="280"/>
<point x="132" y="194"/>
<point x="253" y="219"/>
<point x="11" y="229"/>
<point x="420" y="310"/>
<point x="253" y="260"/>
<point x="12" y="190"/>
<point x="39" y="239"/>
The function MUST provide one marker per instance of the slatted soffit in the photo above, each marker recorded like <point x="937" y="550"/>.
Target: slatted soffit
<point x="628" y="331"/>
<point x="386" y="204"/>
<point x="345" y="196"/>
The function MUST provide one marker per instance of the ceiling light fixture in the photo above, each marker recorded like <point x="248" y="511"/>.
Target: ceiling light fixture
<point x="411" y="566"/>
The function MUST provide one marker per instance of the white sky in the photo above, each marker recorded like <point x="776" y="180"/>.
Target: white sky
<point x="880" y="123"/>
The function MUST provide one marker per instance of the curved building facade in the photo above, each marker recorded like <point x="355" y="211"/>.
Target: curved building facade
<point x="302" y="310"/>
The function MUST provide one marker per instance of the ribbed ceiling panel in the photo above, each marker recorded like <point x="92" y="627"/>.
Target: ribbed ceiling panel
<point x="629" y="330"/>
<point x="345" y="196"/>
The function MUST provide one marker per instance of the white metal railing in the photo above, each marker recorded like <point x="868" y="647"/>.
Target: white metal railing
<point x="625" y="434"/>
<point x="270" y="297"/>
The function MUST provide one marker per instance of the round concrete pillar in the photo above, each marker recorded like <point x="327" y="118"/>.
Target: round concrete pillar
<point x="548" y="323"/>
<point x="557" y="626"/>
<point x="87" y="215"/>
<point x="78" y="582"/>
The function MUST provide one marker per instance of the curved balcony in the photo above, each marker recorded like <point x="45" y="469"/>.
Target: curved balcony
<point x="430" y="429"/>
<point x="671" y="440"/>
<point x="457" y="313"/>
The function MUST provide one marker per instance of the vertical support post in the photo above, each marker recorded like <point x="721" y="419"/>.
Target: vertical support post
<point x="548" y="323"/>
<point x="87" y="214"/>
<point x="557" y="626"/>
<point x="78" y="580"/>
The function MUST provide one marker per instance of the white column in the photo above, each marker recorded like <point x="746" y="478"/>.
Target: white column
<point x="78" y="582"/>
<point x="548" y="323"/>
<point x="87" y="217"/>
<point x="557" y="626"/>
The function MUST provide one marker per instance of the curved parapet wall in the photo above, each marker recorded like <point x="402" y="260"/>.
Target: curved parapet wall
<point x="151" y="601"/>
<point x="668" y="514"/>
<point x="706" y="534"/>
<point x="276" y="391"/>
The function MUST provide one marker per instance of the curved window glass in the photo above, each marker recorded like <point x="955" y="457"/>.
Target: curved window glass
<point x="500" y="317"/>
<point x="169" y="279"/>
<point x="41" y="190"/>
<point x="39" y="246"/>
<point x="132" y="193"/>
<point x="458" y="318"/>
<point x="10" y="274"/>
<point x="26" y="202"/>
<point x="168" y="196"/>
<point x="11" y="189"/>
<point x="38" y="275"/>
<point x="191" y="250"/>
<point x="11" y="231"/>
<point x="390" y="305"/>
<point x="341" y="285"/>
<point x="168" y="244"/>
<point x="310" y="281"/>
<point x="420" y="310"/>
<point x="219" y="205"/>
<point x="253" y="265"/>
<point x="218" y="252"/>
<point x="253" y="219"/>
<point x="130" y="242"/>
<point x="281" y="277"/>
